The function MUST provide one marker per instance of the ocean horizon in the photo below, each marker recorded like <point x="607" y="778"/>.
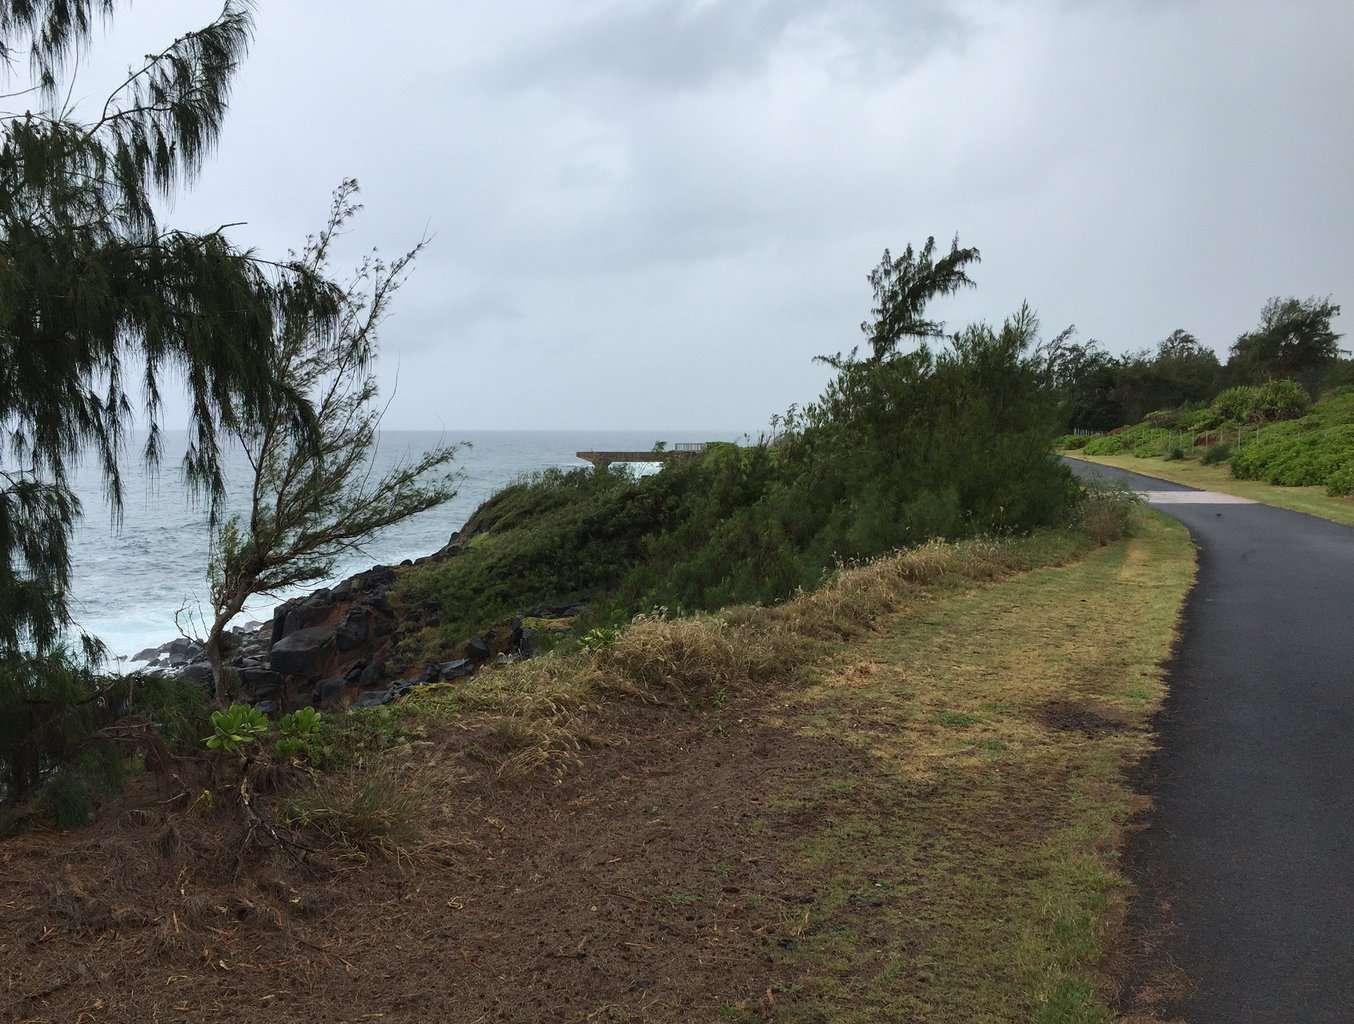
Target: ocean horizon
<point x="131" y="578"/>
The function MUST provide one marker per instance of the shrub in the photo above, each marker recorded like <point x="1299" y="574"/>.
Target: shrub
<point x="47" y="711"/>
<point x="1280" y="400"/>
<point x="1110" y="444"/>
<point x="69" y="797"/>
<point x="1235" y="404"/>
<point x="181" y="714"/>
<point x="1306" y="451"/>
<point x="1072" y="442"/>
<point x="1145" y="441"/>
<point x="1341" y="482"/>
<point x="1216" y="454"/>
<point x="1198" y="419"/>
<point x="1107" y="511"/>
<point x="67" y="801"/>
<point x="929" y="444"/>
<point x="1264" y="403"/>
<point x="1297" y="453"/>
<point x="599" y="637"/>
<point x="1174" y="452"/>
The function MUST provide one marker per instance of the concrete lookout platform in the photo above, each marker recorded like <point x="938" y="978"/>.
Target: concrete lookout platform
<point x="600" y="460"/>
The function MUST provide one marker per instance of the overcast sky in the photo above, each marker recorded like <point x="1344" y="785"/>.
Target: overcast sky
<point x="653" y="214"/>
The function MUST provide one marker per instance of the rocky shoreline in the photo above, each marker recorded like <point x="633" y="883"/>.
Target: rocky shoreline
<point x="335" y="648"/>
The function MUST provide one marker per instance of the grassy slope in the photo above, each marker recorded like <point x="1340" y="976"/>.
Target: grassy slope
<point x="1311" y="500"/>
<point x="998" y="724"/>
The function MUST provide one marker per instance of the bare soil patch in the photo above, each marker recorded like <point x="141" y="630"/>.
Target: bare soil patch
<point x="1068" y="716"/>
<point x="646" y="886"/>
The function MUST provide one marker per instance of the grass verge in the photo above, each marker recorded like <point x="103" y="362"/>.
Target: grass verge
<point x="970" y="871"/>
<point x="1312" y="500"/>
<point x="897" y="797"/>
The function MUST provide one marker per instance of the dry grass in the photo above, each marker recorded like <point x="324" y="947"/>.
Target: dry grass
<point x="1107" y="511"/>
<point x="376" y="809"/>
<point x="548" y="699"/>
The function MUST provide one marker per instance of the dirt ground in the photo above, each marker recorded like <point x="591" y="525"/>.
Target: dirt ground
<point x="645" y="887"/>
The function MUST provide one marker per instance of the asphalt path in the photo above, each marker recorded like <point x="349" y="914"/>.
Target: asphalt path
<point x="1251" y="840"/>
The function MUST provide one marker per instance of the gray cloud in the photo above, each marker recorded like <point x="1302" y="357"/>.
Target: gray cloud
<point x="663" y="45"/>
<point x="652" y="214"/>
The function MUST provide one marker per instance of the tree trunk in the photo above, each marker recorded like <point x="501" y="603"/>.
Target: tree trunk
<point x="214" y="656"/>
<point x="221" y="686"/>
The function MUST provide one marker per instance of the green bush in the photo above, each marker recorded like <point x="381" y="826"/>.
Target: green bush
<point x="299" y="734"/>
<point x="1234" y="404"/>
<point x="1106" y="511"/>
<point x="1216" y="454"/>
<point x="1261" y="403"/>
<point x="1305" y="452"/>
<point x="928" y="444"/>
<point x="1280" y="400"/>
<point x="67" y="801"/>
<point x="1341" y="482"/>
<point x="1110" y="444"/>
<point x="1144" y="440"/>
<point x="1174" y="452"/>
<point x="1072" y="442"/>
<point x="54" y="752"/>
<point x="72" y="793"/>
<point x="50" y="711"/>
<point x="599" y="637"/>
<point x="181" y="714"/>
<point x="1198" y="420"/>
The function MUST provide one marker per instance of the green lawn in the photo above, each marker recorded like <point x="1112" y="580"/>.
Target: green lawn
<point x="1312" y="500"/>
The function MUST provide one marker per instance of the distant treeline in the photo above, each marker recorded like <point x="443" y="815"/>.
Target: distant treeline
<point x="1096" y="390"/>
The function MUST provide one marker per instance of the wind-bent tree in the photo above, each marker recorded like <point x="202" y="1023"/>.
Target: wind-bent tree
<point x="94" y="290"/>
<point x="309" y="507"/>
<point x="903" y="288"/>
<point x="1294" y="339"/>
<point x="1189" y="369"/>
<point x="99" y="298"/>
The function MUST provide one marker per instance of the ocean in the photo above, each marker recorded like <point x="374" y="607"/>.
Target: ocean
<point x="130" y="579"/>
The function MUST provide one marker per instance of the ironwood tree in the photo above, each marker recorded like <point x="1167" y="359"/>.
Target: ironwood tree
<point x="100" y="301"/>
<point x="310" y="504"/>
<point x="904" y="286"/>
<point x="1294" y="339"/>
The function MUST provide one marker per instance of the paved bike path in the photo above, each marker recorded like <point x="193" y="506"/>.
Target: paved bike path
<point x="1252" y="835"/>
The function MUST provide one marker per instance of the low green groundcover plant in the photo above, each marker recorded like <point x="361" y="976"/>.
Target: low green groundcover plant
<point x="236" y="729"/>
<point x="1316" y="450"/>
<point x="298" y="733"/>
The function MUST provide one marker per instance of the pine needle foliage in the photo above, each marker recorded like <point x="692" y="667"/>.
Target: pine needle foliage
<point x="99" y="300"/>
<point x="310" y="504"/>
<point x="903" y="287"/>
